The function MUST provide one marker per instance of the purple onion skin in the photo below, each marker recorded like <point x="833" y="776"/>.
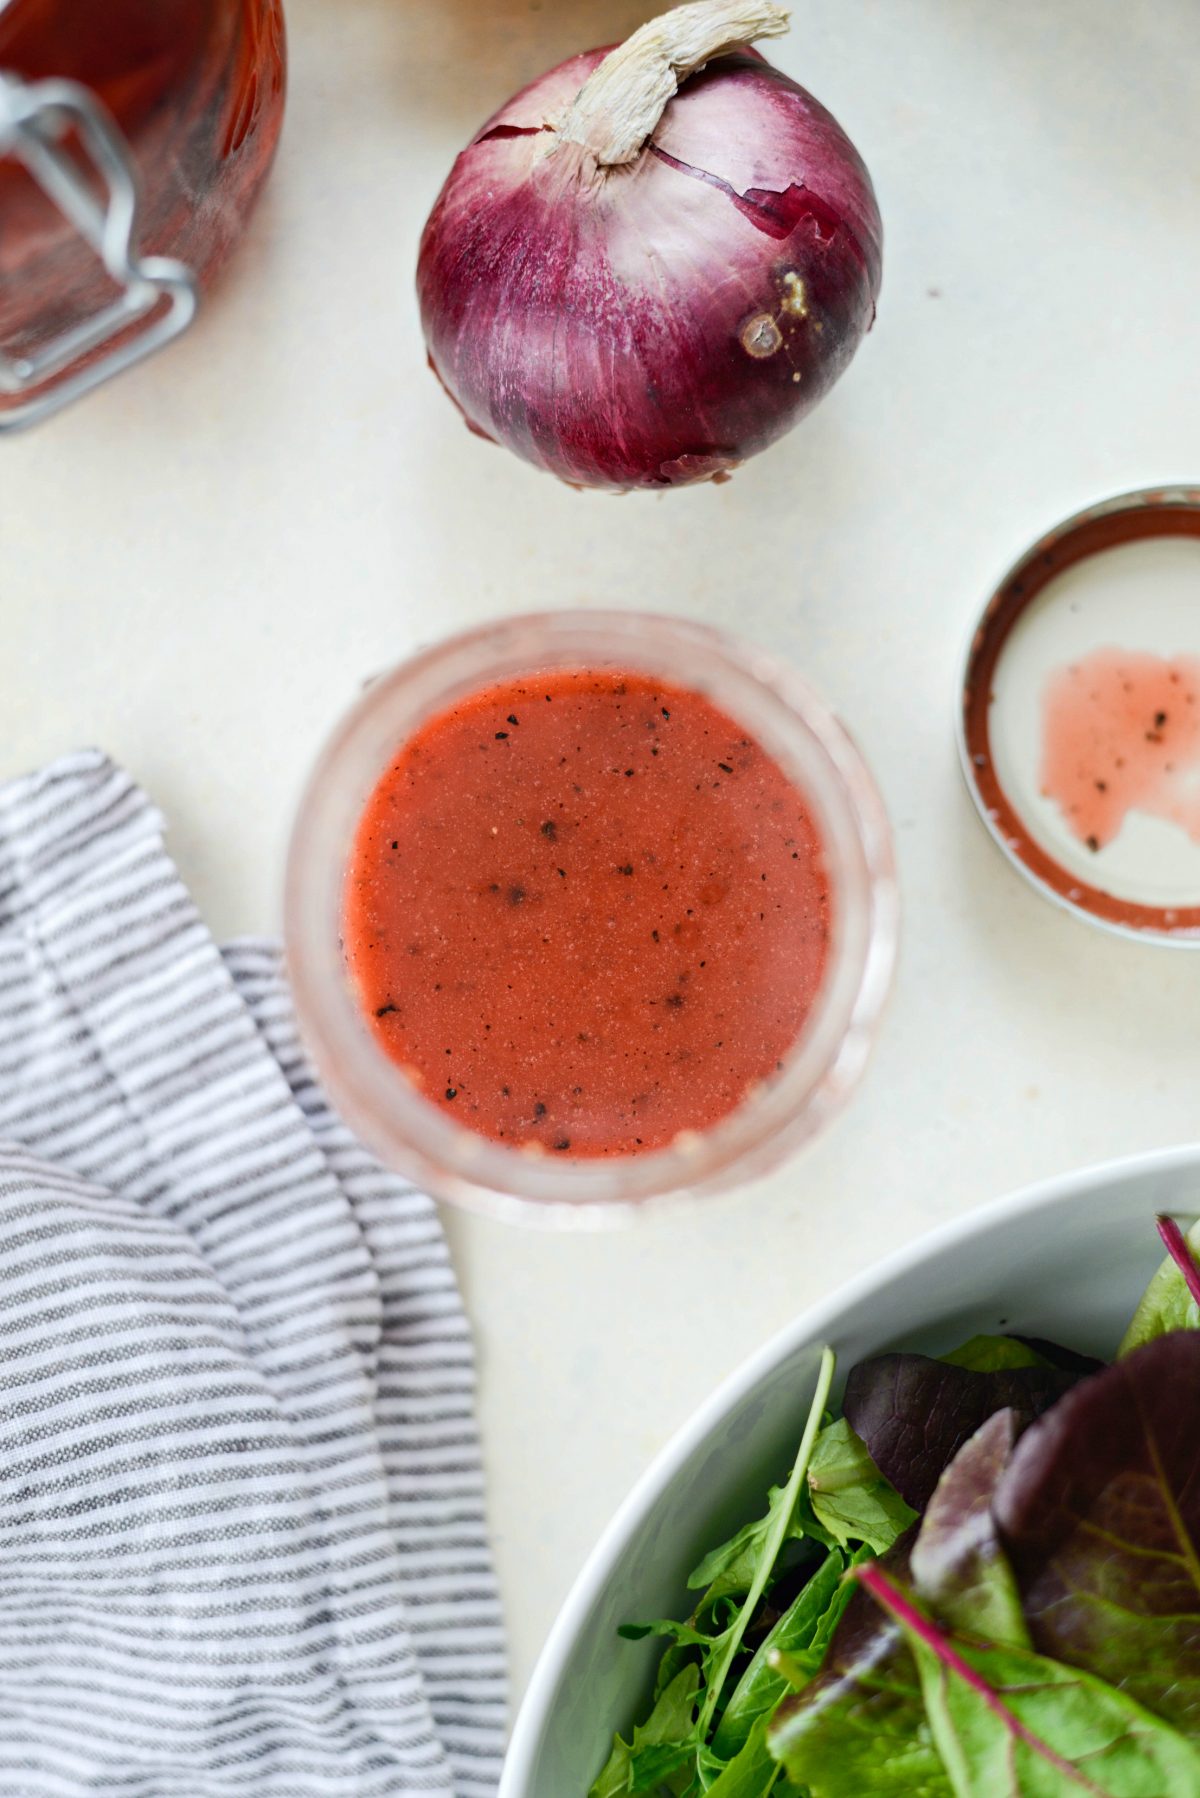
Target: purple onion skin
<point x="653" y="325"/>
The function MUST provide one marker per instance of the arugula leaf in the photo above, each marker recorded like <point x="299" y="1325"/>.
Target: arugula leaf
<point x="914" y="1413"/>
<point x="1009" y="1723"/>
<point x="670" y="1725"/>
<point x="728" y="1571"/>
<point x="672" y="1745"/>
<point x="650" y="1767"/>
<point x="849" y="1496"/>
<point x="683" y="1633"/>
<point x="958" y="1565"/>
<point x="781" y="1521"/>
<point x="803" y="1634"/>
<point x="1099" y="1511"/>
<point x="1167" y="1304"/>
<point x="752" y="1773"/>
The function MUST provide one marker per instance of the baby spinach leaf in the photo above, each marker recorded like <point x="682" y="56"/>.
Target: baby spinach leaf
<point x="1009" y="1723"/>
<point x="1099" y="1511"/>
<point x="914" y="1413"/>
<point x="670" y="1725"/>
<point x="1167" y="1303"/>
<point x="958" y="1565"/>
<point x="803" y="1634"/>
<point x="849" y="1496"/>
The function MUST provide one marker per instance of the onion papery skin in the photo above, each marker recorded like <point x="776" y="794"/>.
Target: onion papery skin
<point x="655" y="324"/>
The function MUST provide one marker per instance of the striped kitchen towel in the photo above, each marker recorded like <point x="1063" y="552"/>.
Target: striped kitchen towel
<point x="242" y="1540"/>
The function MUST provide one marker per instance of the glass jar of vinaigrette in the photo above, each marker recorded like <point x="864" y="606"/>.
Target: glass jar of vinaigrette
<point x="135" y="137"/>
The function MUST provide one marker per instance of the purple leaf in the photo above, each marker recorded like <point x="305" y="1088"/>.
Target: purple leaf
<point x="958" y="1565"/>
<point x="914" y="1413"/>
<point x="1099" y="1512"/>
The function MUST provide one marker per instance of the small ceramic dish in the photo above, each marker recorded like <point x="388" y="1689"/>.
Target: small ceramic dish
<point x="1079" y="715"/>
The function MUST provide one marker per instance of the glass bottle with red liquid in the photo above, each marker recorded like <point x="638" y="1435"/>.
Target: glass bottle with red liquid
<point x="135" y="136"/>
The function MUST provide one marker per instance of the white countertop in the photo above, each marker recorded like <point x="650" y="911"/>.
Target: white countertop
<point x="199" y="565"/>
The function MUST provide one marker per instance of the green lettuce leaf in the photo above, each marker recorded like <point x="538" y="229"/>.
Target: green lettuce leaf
<point x="1166" y="1303"/>
<point x="992" y="1354"/>
<point x="1036" y="1729"/>
<point x="860" y="1730"/>
<point x="849" y="1496"/>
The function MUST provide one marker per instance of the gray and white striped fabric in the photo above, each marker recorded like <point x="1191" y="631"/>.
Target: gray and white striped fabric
<point x="242" y="1540"/>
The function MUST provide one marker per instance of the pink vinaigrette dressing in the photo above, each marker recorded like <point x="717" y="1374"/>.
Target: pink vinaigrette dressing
<point x="586" y="912"/>
<point x="1122" y="734"/>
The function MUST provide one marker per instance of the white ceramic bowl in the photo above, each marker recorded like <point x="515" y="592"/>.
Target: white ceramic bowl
<point x="1066" y="1259"/>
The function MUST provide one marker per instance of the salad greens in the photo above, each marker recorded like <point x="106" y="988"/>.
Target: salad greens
<point x="1008" y="1721"/>
<point x="914" y="1413"/>
<point x="982" y="1580"/>
<point x="1100" y="1515"/>
<point x="1172" y="1299"/>
<point x="957" y="1562"/>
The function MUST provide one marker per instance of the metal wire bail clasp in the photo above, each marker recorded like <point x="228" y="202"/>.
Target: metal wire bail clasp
<point x="35" y="120"/>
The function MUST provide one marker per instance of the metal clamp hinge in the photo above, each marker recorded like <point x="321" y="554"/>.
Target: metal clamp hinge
<point x="35" y="121"/>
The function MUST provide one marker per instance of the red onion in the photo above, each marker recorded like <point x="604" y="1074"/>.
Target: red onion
<point x="634" y="286"/>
